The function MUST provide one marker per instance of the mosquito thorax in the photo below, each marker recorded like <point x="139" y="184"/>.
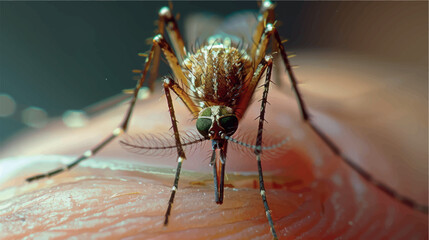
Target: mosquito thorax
<point x="218" y="72"/>
<point x="214" y="121"/>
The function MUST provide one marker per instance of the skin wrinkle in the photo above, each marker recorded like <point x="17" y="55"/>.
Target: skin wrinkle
<point x="305" y="199"/>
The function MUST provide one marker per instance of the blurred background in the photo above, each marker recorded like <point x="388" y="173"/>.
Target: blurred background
<point x="58" y="56"/>
<point x="364" y="64"/>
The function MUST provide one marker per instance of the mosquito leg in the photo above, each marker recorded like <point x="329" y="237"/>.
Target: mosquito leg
<point x="383" y="187"/>
<point x="334" y="148"/>
<point x="263" y="42"/>
<point x="266" y="16"/>
<point x="192" y="107"/>
<point x="261" y="48"/>
<point x="180" y="153"/>
<point x="247" y="96"/>
<point x="302" y="107"/>
<point x="118" y="131"/>
<point x="266" y="12"/>
<point x="172" y="60"/>
<point x="173" y="32"/>
<point x="167" y="20"/>
<point x="155" y="68"/>
<point x="258" y="150"/>
<point x="262" y="37"/>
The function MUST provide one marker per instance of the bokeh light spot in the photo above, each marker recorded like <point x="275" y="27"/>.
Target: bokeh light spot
<point x="7" y="105"/>
<point x="75" y="118"/>
<point x="34" y="117"/>
<point x="144" y="93"/>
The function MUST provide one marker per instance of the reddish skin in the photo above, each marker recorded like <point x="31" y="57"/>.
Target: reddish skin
<point x="312" y="193"/>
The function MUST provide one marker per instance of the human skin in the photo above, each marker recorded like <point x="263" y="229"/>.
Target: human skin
<point x="118" y="194"/>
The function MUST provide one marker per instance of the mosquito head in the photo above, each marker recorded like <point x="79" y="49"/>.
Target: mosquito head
<point x="214" y="121"/>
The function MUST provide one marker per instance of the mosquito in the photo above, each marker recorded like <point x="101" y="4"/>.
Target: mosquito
<point x="216" y="82"/>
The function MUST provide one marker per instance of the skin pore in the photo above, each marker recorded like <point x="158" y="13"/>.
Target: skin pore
<point x="311" y="192"/>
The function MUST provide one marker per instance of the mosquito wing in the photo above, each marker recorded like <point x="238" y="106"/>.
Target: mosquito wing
<point x="199" y="27"/>
<point x="239" y="26"/>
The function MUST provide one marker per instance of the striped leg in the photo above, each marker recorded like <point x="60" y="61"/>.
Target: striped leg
<point x="118" y="131"/>
<point x="158" y="42"/>
<point x="266" y="15"/>
<point x="294" y="82"/>
<point x="334" y="148"/>
<point x="258" y="150"/>
<point x="180" y="153"/>
<point x="267" y="21"/>
<point x="168" y="22"/>
<point x="265" y="33"/>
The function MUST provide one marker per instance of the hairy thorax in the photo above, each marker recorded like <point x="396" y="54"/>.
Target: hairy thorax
<point x="218" y="74"/>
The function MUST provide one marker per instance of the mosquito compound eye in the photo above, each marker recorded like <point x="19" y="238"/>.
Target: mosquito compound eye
<point x="229" y="123"/>
<point x="203" y="126"/>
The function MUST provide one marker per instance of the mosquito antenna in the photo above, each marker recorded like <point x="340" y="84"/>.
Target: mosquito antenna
<point x="186" y="142"/>
<point x="254" y="146"/>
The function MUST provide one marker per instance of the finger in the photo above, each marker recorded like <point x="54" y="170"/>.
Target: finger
<point x="119" y="194"/>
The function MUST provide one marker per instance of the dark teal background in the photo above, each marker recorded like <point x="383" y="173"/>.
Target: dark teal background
<point x="58" y="55"/>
